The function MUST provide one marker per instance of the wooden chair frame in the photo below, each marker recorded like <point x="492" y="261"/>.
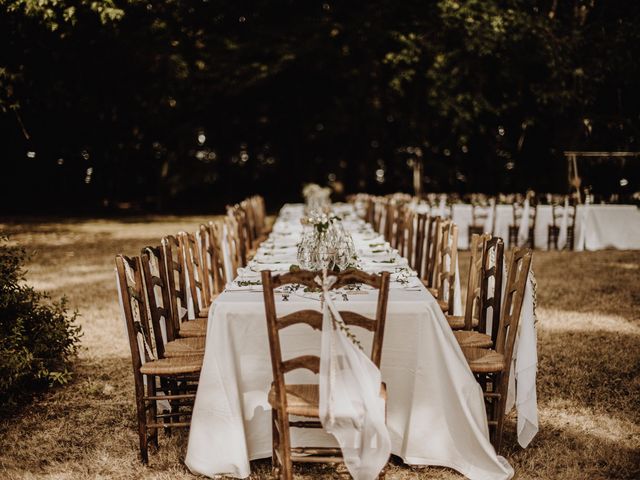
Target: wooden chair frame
<point x="159" y="311"/>
<point x="446" y="266"/>
<point x="478" y="214"/>
<point x="214" y="260"/>
<point x="283" y="454"/>
<point x="174" y="387"/>
<point x="492" y="267"/>
<point x="495" y="384"/>
<point x="473" y="303"/>
<point x="421" y="244"/>
<point x="553" y="231"/>
<point x="174" y="267"/>
<point x="518" y="210"/>
<point x="434" y="241"/>
<point x="190" y="251"/>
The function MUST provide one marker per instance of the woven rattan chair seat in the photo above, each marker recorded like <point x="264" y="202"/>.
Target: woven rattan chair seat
<point x="184" y="347"/>
<point x="472" y="339"/>
<point x="484" y="360"/>
<point x="456" y="322"/>
<point x="303" y="400"/>
<point x="194" y="328"/>
<point x="172" y="366"/>
<point x="204" y="312"/>
<point x="444" y="305"/>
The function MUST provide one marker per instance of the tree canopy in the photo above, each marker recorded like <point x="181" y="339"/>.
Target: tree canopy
<point x="164" y="104"/>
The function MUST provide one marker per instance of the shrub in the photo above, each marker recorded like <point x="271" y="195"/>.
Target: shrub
<point x="38" y="338"/>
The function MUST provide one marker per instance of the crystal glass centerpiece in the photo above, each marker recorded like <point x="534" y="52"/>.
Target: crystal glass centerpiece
<point x="325" y="244"/>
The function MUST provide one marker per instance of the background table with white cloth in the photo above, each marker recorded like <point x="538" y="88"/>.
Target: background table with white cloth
<point x="597" y="226"/>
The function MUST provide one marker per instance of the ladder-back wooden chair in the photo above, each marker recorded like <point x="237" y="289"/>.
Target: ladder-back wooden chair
<point x="233" y="244"/>
<point x="302" y="400"/>
<point x="491" y="288"/>
<point x="432" y="250"/>
<point x="446" y="267"/>
<point x="380" y="210"/>
<point x="238" y="222"/>
<point x="259" y="212"/>
<point x="553" y="232"/>
<point x="492" y="366"/>
<point x="156" y="379"/>
<point x="472" y="307"/>
<point x="214" y="261"/>
<point x="389" y="221"/>
<point x="199" y="296"/>
<point x="420" y="244"/>
<point x="177" y="285"/>
<point x="514" y="228"/>
<point x="168" y="342"/>
<point x="370" y="210"/>
<point x="479" y="216"/>
<point x="407" y="238"/>
<point x="251" y="228"/>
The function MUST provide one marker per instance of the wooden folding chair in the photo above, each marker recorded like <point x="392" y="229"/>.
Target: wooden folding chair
<point x="156" y="379"/>
<point x="303" y="399"/>
<point x="492" y="366"/>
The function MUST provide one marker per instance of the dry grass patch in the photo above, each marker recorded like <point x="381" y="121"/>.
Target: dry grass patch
<point x="588" y="381"/>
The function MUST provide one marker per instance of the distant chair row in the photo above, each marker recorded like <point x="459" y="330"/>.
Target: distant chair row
<point x="377" y="210"/>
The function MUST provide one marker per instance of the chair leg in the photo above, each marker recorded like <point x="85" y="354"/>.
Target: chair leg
<point x="502" y="383"/>
<point x="153" y="409"/>
<point x="142" y="419"/>
<point x="275" y="444"/>
<point x="285" y="447"/>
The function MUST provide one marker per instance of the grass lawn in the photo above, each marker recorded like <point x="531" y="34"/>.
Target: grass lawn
<point x="588" y="379"/>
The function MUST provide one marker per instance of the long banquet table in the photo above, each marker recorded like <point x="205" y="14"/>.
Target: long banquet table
<point x="435" y="407"/>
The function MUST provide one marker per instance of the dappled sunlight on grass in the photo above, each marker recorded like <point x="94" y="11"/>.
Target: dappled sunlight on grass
<point x="579" y="420"/>
<point x="564" y="321"/>
<point x="588" y="381"/>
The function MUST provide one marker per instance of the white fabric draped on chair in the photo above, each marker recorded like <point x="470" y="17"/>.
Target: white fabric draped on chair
<point x="351" y="408"/>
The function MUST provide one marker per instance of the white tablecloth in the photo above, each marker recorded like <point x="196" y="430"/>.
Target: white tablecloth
<point x="597" y="226"/>
<point x="608" y="226"/>
<point x="435" y="415"/>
